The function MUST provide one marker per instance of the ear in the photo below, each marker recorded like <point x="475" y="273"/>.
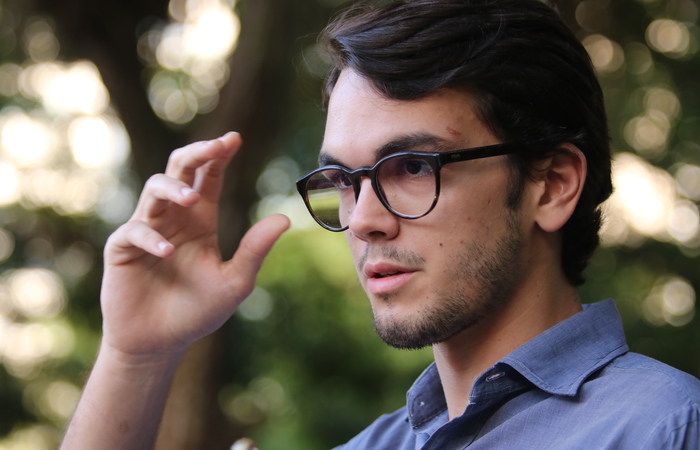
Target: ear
<point x="560" y="187"/>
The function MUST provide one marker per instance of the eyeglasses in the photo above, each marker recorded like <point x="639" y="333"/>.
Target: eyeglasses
<point x="406" y="183"/>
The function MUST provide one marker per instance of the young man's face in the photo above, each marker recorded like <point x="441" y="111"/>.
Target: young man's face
<point x="430" y="278"/>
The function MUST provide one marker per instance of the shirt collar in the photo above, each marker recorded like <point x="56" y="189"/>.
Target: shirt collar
<point x="557" y="361"/>
<point x="560" y="359"/>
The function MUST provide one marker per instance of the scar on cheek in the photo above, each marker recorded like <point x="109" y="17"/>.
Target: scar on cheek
<point x="453" y="132"/>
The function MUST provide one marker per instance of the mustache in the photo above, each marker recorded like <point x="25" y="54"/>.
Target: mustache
<point x="404" y="257"/>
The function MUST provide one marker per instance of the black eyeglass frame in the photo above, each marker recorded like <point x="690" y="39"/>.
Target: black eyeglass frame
<point x="435" y="159"/>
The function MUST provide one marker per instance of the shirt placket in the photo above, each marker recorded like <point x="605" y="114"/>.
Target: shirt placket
<point x="493" y="388"/>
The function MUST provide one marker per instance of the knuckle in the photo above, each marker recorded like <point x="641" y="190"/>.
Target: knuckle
<point x="154" y="180"/>
<point x="176" y="157"/>
<point x="181" y="159"/>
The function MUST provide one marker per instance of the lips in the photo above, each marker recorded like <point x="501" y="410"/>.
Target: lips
<point x="385" y="278"/>
<point x="383" y="270"/>
<point x="387" y="274"/>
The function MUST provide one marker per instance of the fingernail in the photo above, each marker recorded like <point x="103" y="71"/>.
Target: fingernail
<point x="186" y="191"/>
<point x="162" y="246"/>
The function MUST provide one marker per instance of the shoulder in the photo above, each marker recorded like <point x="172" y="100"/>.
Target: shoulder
<point x="390" y="431"/>
<point x="654" y="379"/>
<point x="660" y="402"/>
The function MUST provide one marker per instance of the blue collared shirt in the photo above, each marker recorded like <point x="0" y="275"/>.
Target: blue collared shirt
<point x="575" y="386"/>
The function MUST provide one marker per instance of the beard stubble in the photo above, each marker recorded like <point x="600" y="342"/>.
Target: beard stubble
<point x="484" y="277"/>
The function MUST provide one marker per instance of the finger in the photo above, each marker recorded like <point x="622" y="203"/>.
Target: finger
<point x="160" y="191"/>
<point x="184" y="162"/>
<point x="133" y="240"/>
<point x="254" y="247"/>
<point x="210" y="177"/>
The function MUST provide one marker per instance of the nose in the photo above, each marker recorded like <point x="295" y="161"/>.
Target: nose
<point x="369" y="218"/>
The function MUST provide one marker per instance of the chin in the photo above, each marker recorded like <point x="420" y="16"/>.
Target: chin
<point x="424" y="329"/>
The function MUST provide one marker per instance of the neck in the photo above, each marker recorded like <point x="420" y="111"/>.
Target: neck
<point x="530" y="311"/>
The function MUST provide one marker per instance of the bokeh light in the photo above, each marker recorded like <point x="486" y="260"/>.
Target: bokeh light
<point x="671" y="301"/>
<point x="688" y="181"/>
<point x="9" y="184"/>
<point x="63" y="148"/>
<point x="262" y="397"/>
<point x="55" y="399"/>
<point x="26" y="140"/>
<point x="35" y="292"/>
<point x="642" y="200"/>
<point x="669" y="37"/>
<point x="607" y="56"/>
<point x="257" y="306"/>
<point x="98" y="142"/>
<point x="649" y="202"/>
<point x="277" y="190"/>
<point x="7" y="244"/>
<point x="189" y="58"/>
<point x="638" y="58"/>
<point x="650" y="132"/>
<point x="33" y="437"/>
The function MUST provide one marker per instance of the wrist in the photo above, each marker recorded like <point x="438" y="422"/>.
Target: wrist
<point x="141" y="365"/>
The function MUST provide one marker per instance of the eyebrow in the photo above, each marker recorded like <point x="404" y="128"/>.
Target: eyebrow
<point x="417" y="141"/>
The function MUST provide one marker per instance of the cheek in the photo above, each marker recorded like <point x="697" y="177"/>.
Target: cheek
<point x="357" y="249"/>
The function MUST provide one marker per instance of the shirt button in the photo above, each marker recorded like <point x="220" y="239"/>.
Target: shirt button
<point x="495" y="376"/>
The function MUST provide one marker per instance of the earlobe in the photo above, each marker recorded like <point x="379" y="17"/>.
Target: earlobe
<point x="562" y="183"/>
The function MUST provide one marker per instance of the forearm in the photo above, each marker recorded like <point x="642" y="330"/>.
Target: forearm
<point x="122" y="403"/>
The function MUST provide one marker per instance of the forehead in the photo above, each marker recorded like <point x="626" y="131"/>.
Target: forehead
<point x="361" y="121"/>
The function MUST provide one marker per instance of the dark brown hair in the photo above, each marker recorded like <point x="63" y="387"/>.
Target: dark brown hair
<point x="532" y="80"/>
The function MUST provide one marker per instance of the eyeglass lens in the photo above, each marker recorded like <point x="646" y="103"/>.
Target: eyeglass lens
<point x="406" y="184"/>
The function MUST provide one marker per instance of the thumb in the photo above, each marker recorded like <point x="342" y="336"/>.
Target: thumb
<point x="254" y="247"/>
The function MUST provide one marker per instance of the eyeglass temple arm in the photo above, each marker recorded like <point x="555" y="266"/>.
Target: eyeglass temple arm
<point x="477" y="153"/>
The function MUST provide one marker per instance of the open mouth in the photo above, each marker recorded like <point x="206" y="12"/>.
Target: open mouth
<point x="388" y="274"/>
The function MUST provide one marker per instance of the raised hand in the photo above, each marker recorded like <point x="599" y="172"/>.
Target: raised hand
<point x="165" y="284"/>
<point x="164" y="287"/>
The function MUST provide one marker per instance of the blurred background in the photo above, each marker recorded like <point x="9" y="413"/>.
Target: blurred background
<point x="95" y="94"/>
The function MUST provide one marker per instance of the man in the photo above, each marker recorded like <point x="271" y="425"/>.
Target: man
<point x="465" y="156"/>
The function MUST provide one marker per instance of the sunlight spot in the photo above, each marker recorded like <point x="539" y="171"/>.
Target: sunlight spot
<point x="81" y="194"/>
<point x="10" y="191"/>
<point x="40" y="41"/>
<point x="212" y="31"/>
<point x="7" y="244"/>
<point x="643" y="200"/>
<point x="36" y="292"/>
<point x="33" y="437"/>
<point x="43" y="187"/>
<point x="36" y="78"/>
<point x="669" y="37"/>
<point x="9" y="75"/>
<point x="77" y="89"/>
<point x="192" y="52"/>
<point x="606" y="55"/>
<point x="26" y="141"/>
<point x="648" y="134"/>
<point x="98" y="142"/>
<point x="257" y="306"/>
<point x="663" y="100"/>
<point x="671" y="301"/>
<point x="688" y="181"/>
<point x="60" y="399"/>
<point x="684" y="221"/>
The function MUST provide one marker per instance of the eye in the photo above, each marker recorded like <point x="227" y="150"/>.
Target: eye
<point x="340" y="180"/>
<point x="410" y="167"/>
<point x="415" y="167"/>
